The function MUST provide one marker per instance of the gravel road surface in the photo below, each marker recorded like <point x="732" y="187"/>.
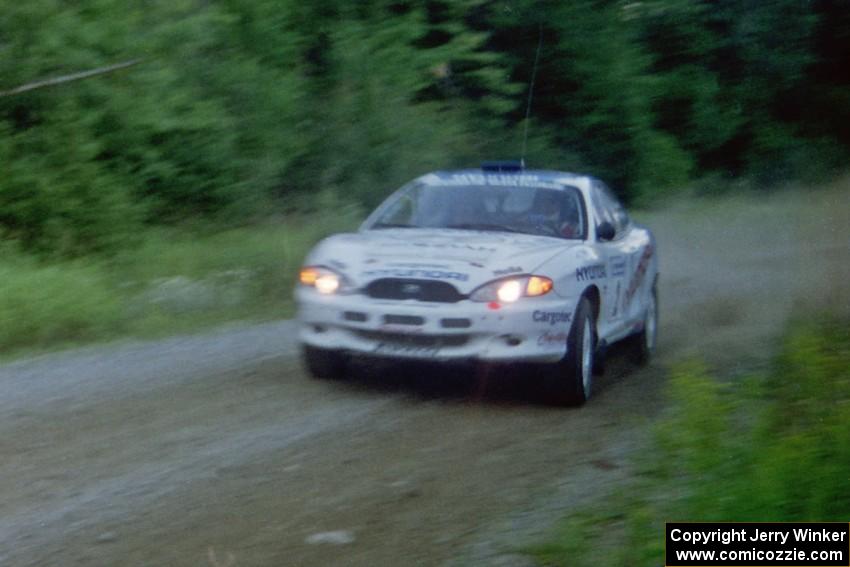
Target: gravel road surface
<point x="219" y="450"/>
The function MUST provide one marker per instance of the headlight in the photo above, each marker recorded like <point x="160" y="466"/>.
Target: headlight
<point x="325" y="280"/>
<point x="509" y="290"/>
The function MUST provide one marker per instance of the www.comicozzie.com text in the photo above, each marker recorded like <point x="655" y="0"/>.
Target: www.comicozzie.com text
<point x="726" y="536"/>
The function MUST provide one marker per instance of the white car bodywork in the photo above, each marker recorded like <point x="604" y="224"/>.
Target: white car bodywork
<point x="386" y="273"/>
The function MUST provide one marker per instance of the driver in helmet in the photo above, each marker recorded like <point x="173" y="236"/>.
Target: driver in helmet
<point x="554" y="215"/>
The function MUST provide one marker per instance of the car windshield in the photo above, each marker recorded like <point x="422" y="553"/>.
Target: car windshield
<point x="543" y="211"/>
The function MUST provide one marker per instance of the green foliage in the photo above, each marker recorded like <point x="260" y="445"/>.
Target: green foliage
<point x="239" y="106"/>
<point x="663" y="167"/>
<point x="53" y="197"/>
<point x="390" y="107"/>
<point x="764" y="448"/>
<point x="197" y="130"/>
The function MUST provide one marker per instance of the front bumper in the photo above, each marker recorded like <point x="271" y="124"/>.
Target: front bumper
<point x="530" y="330"/>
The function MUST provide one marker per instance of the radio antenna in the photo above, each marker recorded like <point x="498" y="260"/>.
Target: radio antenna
<point x="531" y="92"/>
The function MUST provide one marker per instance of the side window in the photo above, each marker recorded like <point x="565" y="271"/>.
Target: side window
<point x="614" y="213"/>
<point x="401" y="212"/>
<point x="603" y="209"/>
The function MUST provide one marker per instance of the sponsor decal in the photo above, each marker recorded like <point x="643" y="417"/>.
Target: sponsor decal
<point x="400" y="329"/>
<point x="617" y="266"/>
<point x="615" y="312"/>
<point x="501" y="180"/>
<point x="491" y="180"/>
<point x="454" y="246"/>
<point x="639" y="274"/>
<point x="402" y="349"/>
<point x="549" y="338"/>
<point x="587" y="273"/>
<point x="507" y="271"/>
<point x="416" y="273"/>
<point x="552" y="317"/>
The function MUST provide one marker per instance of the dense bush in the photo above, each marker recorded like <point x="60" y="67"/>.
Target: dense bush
<point x="236" y="106"/>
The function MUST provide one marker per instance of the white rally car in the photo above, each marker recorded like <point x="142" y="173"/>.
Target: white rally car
<point x="498" y="264"/>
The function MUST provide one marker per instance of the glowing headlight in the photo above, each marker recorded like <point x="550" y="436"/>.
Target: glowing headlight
<point x="326" y="282"/>
<point x="511" y="289"/>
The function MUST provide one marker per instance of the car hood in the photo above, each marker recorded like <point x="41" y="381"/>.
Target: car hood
<point x="463" y="258"/>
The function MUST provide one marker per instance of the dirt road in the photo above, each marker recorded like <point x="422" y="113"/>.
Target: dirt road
<point x="193" y="451"/>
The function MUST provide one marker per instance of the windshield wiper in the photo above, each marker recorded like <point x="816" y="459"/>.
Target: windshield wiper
<point x="483" y="226"/>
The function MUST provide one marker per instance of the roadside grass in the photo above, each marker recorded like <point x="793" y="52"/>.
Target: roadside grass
<point x="47" y="304"/>
<point x="768" y="447"/>
<point x="172" y="282"/>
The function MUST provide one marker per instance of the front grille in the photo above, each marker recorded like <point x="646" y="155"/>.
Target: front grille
<point x="456" y="323"/>
<point x="420" y="290"/>
<point x="404" y="320"/>
<point x="356" y="316"/>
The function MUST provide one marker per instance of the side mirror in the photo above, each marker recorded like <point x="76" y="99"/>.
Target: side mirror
<point x="605" y="231"/>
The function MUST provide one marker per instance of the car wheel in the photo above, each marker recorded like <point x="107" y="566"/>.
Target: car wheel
<point x="644" y="341"/>
<point x="571" y="379"/>
<point x="323" y="363"/>
<point x="599" y="359"/>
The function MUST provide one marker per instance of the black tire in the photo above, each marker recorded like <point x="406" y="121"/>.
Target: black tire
<point x="643" y="343"/>
<point x="570" y="381"/>
<point x="600" y="359"/>
<point x="324" y="364"/>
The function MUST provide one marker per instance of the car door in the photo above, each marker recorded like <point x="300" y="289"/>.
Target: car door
<point x="619" y="253"/>
<point x="638" y="246"/>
